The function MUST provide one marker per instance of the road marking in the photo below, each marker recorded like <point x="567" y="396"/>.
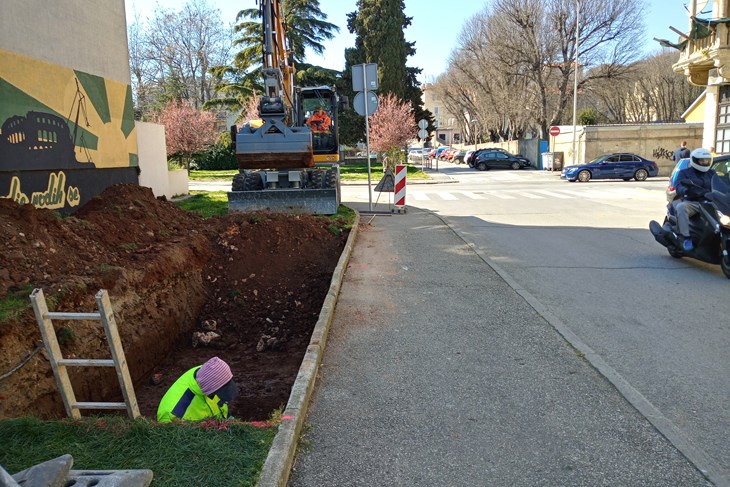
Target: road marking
<point x="500" y="195"/>
<point x="529" y="195"/>
<point x="473" y="196"/>
<point x="536" y="194"/>
<point x="553" y="194"/>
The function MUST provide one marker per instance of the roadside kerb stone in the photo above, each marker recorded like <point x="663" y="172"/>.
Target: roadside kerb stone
<point x="276" y="469"/>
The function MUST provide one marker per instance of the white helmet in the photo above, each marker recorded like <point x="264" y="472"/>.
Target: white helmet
<point x="700" y="159"/>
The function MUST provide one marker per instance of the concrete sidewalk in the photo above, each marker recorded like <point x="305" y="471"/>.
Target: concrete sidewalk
<point x="437" y="373"/>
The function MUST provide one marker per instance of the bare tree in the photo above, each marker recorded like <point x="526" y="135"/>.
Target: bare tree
<point x="520" y="57"/>
<point x="666" y="92"/>
<point x="481" y="91"/>
<point x="170" y="56"/>
<point x="653" y="92"/>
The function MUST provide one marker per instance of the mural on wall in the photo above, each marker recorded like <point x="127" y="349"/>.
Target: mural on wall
<point x="65" y="135"/>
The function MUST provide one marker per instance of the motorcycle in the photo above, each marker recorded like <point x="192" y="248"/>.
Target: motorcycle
<point x="709" y="229"/>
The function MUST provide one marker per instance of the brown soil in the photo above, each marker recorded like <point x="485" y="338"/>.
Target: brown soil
<point x="262" y="278"/>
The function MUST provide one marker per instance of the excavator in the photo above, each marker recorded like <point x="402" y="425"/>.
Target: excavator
<point x="286" y="162"/>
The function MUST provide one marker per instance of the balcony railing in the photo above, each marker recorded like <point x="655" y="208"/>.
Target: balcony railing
<point x="698" y="50"/>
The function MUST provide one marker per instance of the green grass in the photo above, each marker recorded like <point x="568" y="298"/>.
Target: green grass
<point x="223" y="175"/>
<point x="345" y="216"/>
<point x="224" y="453"/>
<point x="359" y="172"/>
<point x="15" y="303"/>
<point x="349" y="172"/>
<point x="215" y="203"/>
<point x="206" y="203"/>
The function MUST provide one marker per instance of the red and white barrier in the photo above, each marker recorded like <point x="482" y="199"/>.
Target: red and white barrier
<point x="400" y="186"/>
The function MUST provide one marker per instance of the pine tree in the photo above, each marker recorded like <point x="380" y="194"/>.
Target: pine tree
<point x="307" y="29"/>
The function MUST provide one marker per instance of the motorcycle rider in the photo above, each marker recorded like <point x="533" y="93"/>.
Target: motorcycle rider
<point x="693" y="183"/>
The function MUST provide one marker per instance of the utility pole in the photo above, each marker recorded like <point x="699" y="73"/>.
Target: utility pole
<point x="575" y="77"/>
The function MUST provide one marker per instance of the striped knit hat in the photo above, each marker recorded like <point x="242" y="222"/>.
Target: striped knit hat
<point x="213" y="375"/>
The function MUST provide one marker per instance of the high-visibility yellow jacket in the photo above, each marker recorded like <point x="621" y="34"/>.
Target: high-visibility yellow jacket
<point x="185" y="400"/>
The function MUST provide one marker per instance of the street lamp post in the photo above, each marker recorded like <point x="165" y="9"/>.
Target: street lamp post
<point x="575" y="76"/>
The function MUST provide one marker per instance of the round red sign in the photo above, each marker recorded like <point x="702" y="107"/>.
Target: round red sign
<point x="554" y="130"/>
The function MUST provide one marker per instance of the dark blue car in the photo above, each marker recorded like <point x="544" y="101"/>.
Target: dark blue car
<point x="622" y="165"/>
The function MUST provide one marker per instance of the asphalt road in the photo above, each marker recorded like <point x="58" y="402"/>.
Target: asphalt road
<point x="582" y="251"/>
<point x="437" y="372"/>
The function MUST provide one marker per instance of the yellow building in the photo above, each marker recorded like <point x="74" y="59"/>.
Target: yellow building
<point x="705" y="60"/>
<point x="447" y="127"/>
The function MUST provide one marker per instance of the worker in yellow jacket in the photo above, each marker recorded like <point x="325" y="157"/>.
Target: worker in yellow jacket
<point x="202" y="392"/>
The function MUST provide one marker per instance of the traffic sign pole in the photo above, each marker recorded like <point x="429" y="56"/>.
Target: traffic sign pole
<point x="423" y="134"/>
<point x="367" y="139"/>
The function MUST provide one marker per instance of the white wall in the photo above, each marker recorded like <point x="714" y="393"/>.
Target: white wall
<point x="153" y="162"/>
<point x="90" y="36"/>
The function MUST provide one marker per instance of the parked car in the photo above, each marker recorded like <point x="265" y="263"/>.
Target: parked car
<point x="442" y="155"/>
<point x="495" y="159"/>
<point x="721" y="165"/>
<point x="470" y="160"/>
<point x="415" y="154"/>
<point x="450" y="155"/>
<point x="458" y="157"/>
<point x="468" y="155"/>
<point x="622" y="165"/>
<point x="438" y="151"/>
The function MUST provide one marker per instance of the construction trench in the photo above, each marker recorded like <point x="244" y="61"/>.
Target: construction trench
<point x="247" y="288"/>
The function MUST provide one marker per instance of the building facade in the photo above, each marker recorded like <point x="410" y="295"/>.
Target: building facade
<point x="67" y="127"/>
<point x="447" y="130"/>
<point x="705" y="60"/>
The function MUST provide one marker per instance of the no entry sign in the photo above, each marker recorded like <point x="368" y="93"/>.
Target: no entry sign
<point x="554" y="130"/>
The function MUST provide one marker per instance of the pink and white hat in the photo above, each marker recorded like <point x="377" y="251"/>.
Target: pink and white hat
<point x="213" y="375"/>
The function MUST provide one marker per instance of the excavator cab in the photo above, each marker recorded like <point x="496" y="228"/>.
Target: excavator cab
<point x="287" y="162"/>
<point x="318" y="111"/>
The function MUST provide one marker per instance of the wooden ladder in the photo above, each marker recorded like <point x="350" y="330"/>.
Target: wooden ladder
<point x="59" y="364"/>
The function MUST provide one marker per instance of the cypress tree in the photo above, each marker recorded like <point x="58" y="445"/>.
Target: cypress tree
<point x="379" y="28"/>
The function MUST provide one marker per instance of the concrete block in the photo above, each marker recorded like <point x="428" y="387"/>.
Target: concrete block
<point x="6" y="480"/>
<point x="318" y="201"/>
<point x="110" y="478"/>
<point x="52" y="473"/>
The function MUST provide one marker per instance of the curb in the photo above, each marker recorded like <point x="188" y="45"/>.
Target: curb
<point x="279" y="461"/>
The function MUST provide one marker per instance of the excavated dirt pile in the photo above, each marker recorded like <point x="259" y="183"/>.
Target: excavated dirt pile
<point x="245" y="287"/>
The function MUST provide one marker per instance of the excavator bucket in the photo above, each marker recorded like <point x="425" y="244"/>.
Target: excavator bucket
<point x="274" y="146"/>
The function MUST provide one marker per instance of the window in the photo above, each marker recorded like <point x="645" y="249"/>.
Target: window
<point x="722" y="136"/>
<point x="628" y="158"/>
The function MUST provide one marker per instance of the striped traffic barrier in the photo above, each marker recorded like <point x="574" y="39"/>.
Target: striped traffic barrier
<point x="400" y="186"/>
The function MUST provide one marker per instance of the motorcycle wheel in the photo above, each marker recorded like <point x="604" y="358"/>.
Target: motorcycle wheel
<point x="724" y="264"/>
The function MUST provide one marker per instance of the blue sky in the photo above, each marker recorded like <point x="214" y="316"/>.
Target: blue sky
<point x="435" y="27"/>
